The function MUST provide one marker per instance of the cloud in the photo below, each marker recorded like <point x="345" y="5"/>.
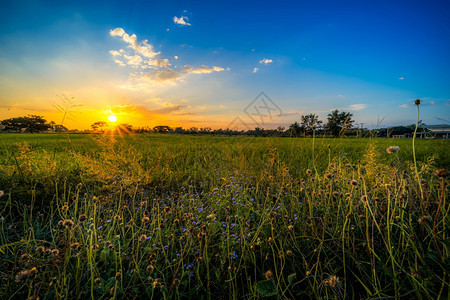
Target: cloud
<point x="431" y="103"/>
<point x="142" y="48"/>
<point x="181" y="21"/>
<point x="255" y="70"/>
<point x="152" y="67"/>
<point x="168" y="75"/>
<point x="401" y="78"/>
<point x="265" y="61"/>
<point x="355" y="107"/>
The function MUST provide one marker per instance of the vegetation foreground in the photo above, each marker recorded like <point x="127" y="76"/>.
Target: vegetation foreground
<point x="100" y="216"/>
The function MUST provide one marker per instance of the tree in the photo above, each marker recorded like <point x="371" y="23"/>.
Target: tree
<point x="162" y="129"/>
<point x="309" y="122"/>
<point x="30" y="123"/>
<point x="295" y="130"/>
<point x="98" y="126"/>
<point x="124" y="128"/>
<point x="338" y="122"/>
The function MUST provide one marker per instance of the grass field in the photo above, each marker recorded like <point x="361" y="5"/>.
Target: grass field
<point x="167" y="216"/>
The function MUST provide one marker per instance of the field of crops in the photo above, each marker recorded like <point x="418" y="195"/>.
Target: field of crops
<point x="166" y="216"/>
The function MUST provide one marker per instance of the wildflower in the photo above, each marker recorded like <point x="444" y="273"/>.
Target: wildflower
<point x="290" y="227"/>
<point x="309" y="172"/>
<point x="335" y="194"/>
<point x="354" y="182"/>
<point x="142" y="238"/>
<point x="68" y="223"/>
<point x="145" y="219"/>
<point x="176" y="221"/>
<point x="64" y="208"/>
<point x="270" y="240"/>
<point x="167" y="210"/>
<point x="117" y="217"/>
<point x="40" y="249"/>
<point x="268" y="274"/>
<point x="288" y="252"/>
<point x="26" y="274"/>
<point x="441" y="173"/>
<point x="97" y="281"/>
<point x="82" y="218"/>
<point x="392" y="149"/>
<point x="1" y="193"/>
<point x="55" y="252"/>
<point x="333" y="281"/>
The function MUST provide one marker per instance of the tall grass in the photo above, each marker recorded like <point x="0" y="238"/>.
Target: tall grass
<point x="212" y="217"/>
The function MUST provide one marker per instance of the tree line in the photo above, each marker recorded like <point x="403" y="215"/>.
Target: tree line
<point x="338" y="124"/>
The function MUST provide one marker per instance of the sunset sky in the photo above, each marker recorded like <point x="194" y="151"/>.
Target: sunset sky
<point x="202" y="63"/>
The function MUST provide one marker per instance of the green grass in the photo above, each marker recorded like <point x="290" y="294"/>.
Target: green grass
<point x="221" y="217"/>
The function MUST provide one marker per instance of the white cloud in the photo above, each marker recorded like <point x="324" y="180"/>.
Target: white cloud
<point x="401" y="78"/>
<point x="355" y="107"/>
<point x="115" y="53"/>
<point x="117" y="32"/>
<point x="266" y="61"/>
<point x="181" y="21"/>
<point x="153" y="68"/>
<point x="255" y="70"/>
<point x="134" y="60"/>
<point x="120" y="63"/>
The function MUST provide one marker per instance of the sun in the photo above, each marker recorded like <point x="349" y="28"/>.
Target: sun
<point x="112" y="118"/>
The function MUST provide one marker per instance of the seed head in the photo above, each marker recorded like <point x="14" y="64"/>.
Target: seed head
<point x="392" y="149"/>
<point x="26" y="274"/>
<point x="441" y="173"/>
<point x="75" y="246"/>
<point x="82" y="218"/>
<point x="150" y="268"/>
<point x="329" y="175"/>
<point x="417" y="102"/>
<point x="354" y="182"/>
<point x="67" y="223"/>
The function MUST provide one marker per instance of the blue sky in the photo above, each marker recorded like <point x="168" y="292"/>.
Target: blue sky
<point x="204" y="61"/>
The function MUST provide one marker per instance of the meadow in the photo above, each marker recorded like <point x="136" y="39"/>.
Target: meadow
<point x="98" y="216"/>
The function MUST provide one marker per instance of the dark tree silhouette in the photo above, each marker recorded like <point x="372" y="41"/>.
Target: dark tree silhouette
<point x="30" y="123"/>
<point x="338" y="122"/>
<point x="99" y="126"/>
<point x="310" y="122"/>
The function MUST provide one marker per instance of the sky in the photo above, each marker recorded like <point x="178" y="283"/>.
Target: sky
<point x="219" y="64"/>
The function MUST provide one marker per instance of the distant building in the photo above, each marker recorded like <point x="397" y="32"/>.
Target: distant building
<point x="436" y="131"/>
